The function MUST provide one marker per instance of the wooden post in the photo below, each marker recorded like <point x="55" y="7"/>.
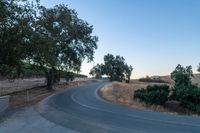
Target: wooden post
<point x="27" y="96"/>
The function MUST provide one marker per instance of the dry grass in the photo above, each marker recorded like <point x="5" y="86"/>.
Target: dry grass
<point x="195" y="79"/>
<point x="123" y="93"/>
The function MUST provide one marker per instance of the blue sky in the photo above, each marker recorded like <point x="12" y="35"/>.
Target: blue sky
<point x="152" y="35"/>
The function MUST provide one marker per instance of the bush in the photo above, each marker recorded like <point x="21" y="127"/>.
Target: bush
<point x="153" y="94"/>
<point x="188" y="96"/>
<point x="184" y="91"/>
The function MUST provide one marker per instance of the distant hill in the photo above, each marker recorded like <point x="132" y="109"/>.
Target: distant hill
<point x="167" y="79"/>
<point x="195" y="80"/>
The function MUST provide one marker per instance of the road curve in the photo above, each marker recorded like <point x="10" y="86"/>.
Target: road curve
<point x="82" y="110"/>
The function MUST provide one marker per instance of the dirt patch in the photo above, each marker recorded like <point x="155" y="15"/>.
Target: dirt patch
<point x="34" y="95"/>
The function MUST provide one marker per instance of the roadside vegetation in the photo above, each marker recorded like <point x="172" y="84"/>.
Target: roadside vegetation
<point x="114" y="67"/>
<point x="153" y="94"/>
<point x="122" y="93"/>
<point x="183" y="91"/>
<point x="50" y="42"/>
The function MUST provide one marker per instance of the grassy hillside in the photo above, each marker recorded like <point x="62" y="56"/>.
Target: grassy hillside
<point x="195" y="79"/>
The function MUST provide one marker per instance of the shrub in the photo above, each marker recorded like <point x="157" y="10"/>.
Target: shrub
<point x="184" y="91"/>
<point x="188" y="96"/>
<point x="182" y="76"/>
<point x="153" y="94"/>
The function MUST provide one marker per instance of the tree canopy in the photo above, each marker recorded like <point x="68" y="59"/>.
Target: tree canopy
<point x="62" y="40"/>
<point x="51" y="39"/>
<point x="182" y="76"/>
<point x="114" y="67"/>
<point x="184" y="91"/>
<point x="15" y="32"/>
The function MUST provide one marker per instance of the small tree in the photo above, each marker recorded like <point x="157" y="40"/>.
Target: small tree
<point x="184" y="91"/>
<point x="182" y="76"/>
<point x="114" y="67"/>
<point x="183" y="81"/>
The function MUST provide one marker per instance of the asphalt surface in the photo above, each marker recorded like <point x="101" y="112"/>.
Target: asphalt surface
<point x="28" y="120"/>
<point x="82" y="110"/>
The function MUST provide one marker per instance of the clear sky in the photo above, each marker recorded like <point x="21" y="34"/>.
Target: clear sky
<point x="152" y="35"/>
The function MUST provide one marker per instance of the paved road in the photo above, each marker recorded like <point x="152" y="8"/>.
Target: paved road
<point x="81" y="110"/>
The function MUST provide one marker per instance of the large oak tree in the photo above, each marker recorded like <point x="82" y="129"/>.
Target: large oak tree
<point x="114" y="67"/>
<point x="62" y="40"/>
<point x="50" y="39"/>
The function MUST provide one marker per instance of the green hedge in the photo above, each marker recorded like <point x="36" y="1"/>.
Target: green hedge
<point x="153" y="94"/>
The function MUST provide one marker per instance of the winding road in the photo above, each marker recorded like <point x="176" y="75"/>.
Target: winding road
<point x="82" y="110"/>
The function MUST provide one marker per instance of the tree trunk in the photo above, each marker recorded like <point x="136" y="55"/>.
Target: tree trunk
<point x="50" y="78"/>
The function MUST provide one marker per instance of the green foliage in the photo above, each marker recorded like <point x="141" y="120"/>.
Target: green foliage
<point x="191" y="99"/>
<point x="188" y="96"/>
<point x="97" y="71"/>
<point x="128" y="71"/>
<point x="8" y="71"/>
<point x="184" y="91"/>
<point x="114" y="67"/>
<point x="153" y="94"/>
<point x="29" y="71"/>
<point x="66" y="40"/>
<point x="15" y="30"/>
<point x="24" y="70"/>
<point x="76" y="75"/>
<point x="51" y="39"/>
<point x="69" y="76"/>
<point x="182" y="76"/>
<point x="5" y="69"/>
